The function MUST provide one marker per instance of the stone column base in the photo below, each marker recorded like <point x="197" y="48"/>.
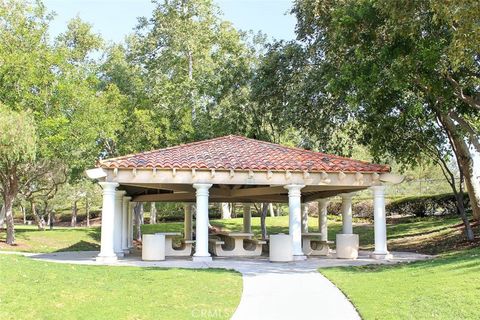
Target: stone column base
<point x="381" y="256"/>
<point x="106" y="259"/>
<point x="202" y="259"/>
<point x="299" y="258"/>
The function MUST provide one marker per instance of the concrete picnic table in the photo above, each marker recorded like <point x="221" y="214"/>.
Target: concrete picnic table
<point x="232" y="244"/>
<point x="170" y="250"/>
<point x="320" y="248"/>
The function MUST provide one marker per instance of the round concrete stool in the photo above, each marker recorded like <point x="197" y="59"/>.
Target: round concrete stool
<point x="153" y="247"/>
<point x="280" y="247"/>
<point x="347" y="246"/>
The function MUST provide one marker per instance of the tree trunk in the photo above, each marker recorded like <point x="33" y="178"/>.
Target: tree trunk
<point x="87" y="211"/>
<point x="8" y="208"/>
<point x="153" y="213"/>
<point x="73" y="223"/>
<point x="463" y="216"/>
<point x="38" y="218"/>
<point x="465" y="161"/>
<point x="2" y="216"/>
<point x="225" y="210"/>
<point x="263" y="216"/>
<point x="270" y="208"/>
<point x="279" y="211"/>
<point x="24" y="215"/>
<point x="138" y="212"/>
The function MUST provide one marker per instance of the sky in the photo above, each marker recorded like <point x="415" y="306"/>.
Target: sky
<point x="114" y="19"/>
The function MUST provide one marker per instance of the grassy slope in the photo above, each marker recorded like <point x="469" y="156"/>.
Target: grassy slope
<point x="40" y="290"/>
<point x="444" y="288"/>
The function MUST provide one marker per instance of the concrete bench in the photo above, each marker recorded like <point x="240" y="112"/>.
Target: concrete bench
<point x="235" y="244"/>
<point x="184" y="250"/>
<point x="153" y="247"/>
<point x="313" y="246"/>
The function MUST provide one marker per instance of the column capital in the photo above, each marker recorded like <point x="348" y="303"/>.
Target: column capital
<point x="294" y="189"/>
<point x="108" y="186"/>
<point x="378" y="190"/>
<point x="202" y="188"/>
<point x="127" y="198"/>
<point x="347" y="196"/>
<point x="120" y="193"/>
<point x="323" y="200"/>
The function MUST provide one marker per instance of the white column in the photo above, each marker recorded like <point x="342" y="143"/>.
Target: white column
<point x="130" y="224"/>
<point x="126" y="201"/>
<point x="247" y="218"/>
<point x="187" y="225"/>
<point x="347" y="227"/>
<point x="201" y="243"/>
<point x="322" y="219"/>
<point x="380" y="223"/>
<point x="295" y="213"/>
<point x="117" y="223"/>
<point x="107" y="253"/>
<point x="304" y="217"/>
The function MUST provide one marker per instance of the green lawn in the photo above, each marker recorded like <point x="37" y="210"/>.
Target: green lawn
<point x="40" y="290"/>
<point x="428" y="235"/>
<point x="447" y="287"/>
<point x="444" y="288"/>
<point x="30" y="239"/>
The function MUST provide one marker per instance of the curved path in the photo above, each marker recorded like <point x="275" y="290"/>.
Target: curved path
<point x="294" y="290"/>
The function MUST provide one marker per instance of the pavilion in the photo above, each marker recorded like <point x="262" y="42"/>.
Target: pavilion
<point x="234" y="169"/>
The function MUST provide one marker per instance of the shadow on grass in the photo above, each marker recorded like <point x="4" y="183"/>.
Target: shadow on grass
<point x="81" y="246"/>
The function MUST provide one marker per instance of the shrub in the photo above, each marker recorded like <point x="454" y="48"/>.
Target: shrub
<point x="421" y="206"/>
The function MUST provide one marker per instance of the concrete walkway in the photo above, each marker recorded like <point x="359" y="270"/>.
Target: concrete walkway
<point x="294" y="290"/>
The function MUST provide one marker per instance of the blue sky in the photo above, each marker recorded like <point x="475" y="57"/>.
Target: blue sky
<point x="115" y="18"/>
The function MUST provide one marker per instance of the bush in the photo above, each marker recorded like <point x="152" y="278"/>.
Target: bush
<point x="361" y="209"/>
<point x="422" y="206"/>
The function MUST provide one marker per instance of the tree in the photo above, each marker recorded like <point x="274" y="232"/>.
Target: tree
<point x="185" y="73"/>
<point x="17" y="150"/>
<point x="406" y="72"/>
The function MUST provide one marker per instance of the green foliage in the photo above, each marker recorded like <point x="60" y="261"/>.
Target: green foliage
<point x="421" y="206"/>
<point x="17" y="139"/>
<point x="185" y="73"/>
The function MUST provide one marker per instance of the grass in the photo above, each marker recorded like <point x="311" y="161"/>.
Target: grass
<point x="427" y="235"/>
<point x="443" y="288"/>
<point x="30" y="239"/>
<point x="39" y="290"/>
<point x="447" y="287"/>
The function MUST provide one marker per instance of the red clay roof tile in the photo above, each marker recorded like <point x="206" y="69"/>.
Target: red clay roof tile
<point x="240" y="153"/>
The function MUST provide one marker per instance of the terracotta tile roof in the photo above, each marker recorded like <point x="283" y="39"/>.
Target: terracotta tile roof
<point x="240" y="153"/>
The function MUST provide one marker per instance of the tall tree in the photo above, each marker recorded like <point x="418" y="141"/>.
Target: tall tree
<point x="402" y="70"/>
<point x="17" y="151"/>
<point x="186" y="74"/>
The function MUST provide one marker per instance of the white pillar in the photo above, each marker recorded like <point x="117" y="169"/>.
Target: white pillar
<point x="130" y="224"/>
<point x="304" y="217"/>
<point x="322" y="219"/>
<point x="126" y="201"/>
<point x="247" y="218"/>
<point x="347" y="227"/>
<point x="380" y="223"/>
<point x="107" y="253"/>
<point x="187" y="225"/>
<point x="295" y="213"/>
<point x="201" y="243"/>
<point x="117" y="223"/>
